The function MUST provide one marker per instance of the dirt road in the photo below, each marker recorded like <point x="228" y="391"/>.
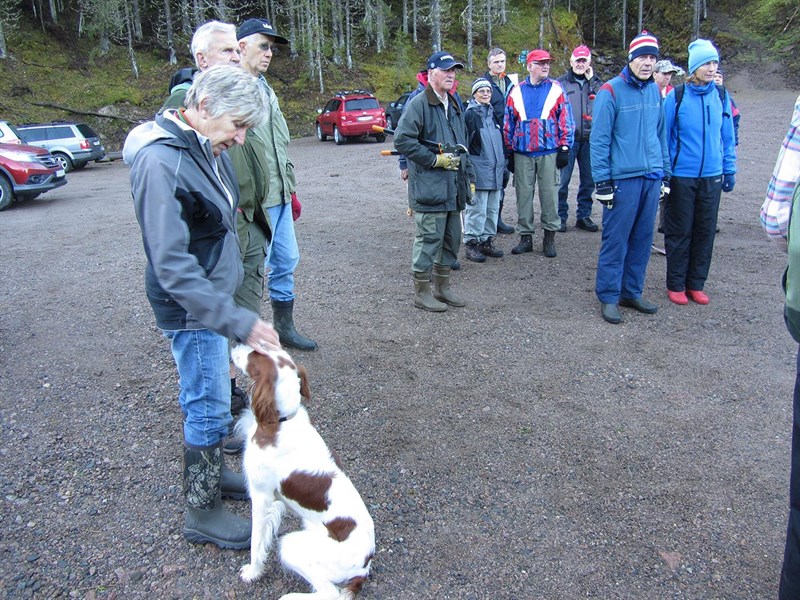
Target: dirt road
<point x="517" y="448"/>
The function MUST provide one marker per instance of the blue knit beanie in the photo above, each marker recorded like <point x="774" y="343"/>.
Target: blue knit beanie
<point x="700" y="52"/>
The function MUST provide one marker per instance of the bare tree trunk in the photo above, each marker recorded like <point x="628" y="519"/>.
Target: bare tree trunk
<point x="318" y="44"/>
<point x="696" y="20"/>
<point x="197" y="9"/>
<point x="53" y="12"/>
<point x="268" y="12"/>
<point x="170" y="36"/>
<point x="293" y="30"/>
<point x="436" y="25"/>
<point x="137" y="21"/>
<point x="468" y="12"/>
<point x="594" y="23"/>
<point x="129" y="33"/>
<point x="380" y="32"/>
<point x="3" y="49"/>
<point x="222" y="11"/>
<point x="186" y="22"/>
<point x="641" y="15"/>
<point x="489" y="14"/>
<point x="624" y="24"/>
<point x="348" y="33"/>
<point x="405" y="17"/>
<point x="415" y="13"/>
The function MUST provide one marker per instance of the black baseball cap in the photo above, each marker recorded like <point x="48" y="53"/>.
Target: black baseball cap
<point x="252" y="26"/>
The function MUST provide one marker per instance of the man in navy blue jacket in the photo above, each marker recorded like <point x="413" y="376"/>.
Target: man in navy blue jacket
<point x="630" y="168"/>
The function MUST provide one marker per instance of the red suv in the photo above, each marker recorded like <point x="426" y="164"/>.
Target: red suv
<point x="26" y="172"/>
<point x="350" y="115"/>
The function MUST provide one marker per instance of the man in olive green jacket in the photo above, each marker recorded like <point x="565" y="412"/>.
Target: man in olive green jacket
<point x="439" y="182"/>
<point x="266" y="180"/>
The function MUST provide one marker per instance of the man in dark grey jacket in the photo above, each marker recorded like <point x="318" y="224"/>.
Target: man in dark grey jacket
<point x="580" y="85"/>
<point x="438" y="181"/>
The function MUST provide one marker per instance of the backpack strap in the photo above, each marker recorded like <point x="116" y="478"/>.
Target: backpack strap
<point x="679" y="91"/>
<point x="791" y="277"/>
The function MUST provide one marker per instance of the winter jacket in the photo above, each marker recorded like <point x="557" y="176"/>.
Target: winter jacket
<point x="581" y="99"/>
<point x="485" y="143"/>
<point x="276" y="138"/>
<point x="499" y="98"/>
<point x="251" y="163"/>
<point x="628" y="136"/>
<point x="185" y="201"/>
<point x="777" y="208"/>
<point x="538" y="118"/>
<point x="429" y="189"/>
<point x="700" y="136"/>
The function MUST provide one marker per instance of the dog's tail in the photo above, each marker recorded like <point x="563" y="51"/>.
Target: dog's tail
<point x="246" y="420"/>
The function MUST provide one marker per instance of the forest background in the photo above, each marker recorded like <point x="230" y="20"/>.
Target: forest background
<point x="108" y="62"/>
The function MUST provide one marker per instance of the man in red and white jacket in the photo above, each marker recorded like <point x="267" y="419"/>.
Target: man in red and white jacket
<point x="539" y="129"/>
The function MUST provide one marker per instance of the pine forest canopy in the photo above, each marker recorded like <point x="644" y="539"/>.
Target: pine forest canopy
<point x="327" y="34"/>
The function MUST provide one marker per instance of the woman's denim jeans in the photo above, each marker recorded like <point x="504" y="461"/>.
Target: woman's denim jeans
<point x="202" y="360"/>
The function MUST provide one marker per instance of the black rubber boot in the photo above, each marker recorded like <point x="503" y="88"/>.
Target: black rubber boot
<point x="232" y="484"/>
<point x="549" y="244"/>
<point x="501" y="226"/>
<point x="422" y="293"/>
<point x="207" y="519"/>
<point x="525" y="245"/>
<point x="441" y="285"/>
<point x="283" y="322"/>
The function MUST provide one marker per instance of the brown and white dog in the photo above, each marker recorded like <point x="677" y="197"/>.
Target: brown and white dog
<point x="287" y="464"/>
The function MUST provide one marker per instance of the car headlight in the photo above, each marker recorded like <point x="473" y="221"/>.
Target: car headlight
<point x="18" y="156"/>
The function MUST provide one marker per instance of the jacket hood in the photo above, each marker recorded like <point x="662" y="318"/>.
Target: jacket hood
<point x="422" y="77"/>
<point x="141" y="136"/>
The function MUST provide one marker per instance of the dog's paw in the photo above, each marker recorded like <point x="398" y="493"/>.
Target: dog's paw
<point x="249" y="573"/>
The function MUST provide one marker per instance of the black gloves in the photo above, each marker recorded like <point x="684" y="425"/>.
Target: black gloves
<point x="604" y="192"/>
<point x="562" y="158"/>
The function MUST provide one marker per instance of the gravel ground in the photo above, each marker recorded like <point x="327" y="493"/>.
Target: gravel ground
<point x="517" y="448"/>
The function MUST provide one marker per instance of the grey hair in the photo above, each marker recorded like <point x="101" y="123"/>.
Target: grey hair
<point x="494" y="52"/>
<point x="202" y="37"/>
<point x="227" y="89"/>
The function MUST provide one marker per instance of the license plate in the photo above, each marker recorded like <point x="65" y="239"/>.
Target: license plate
<point x="60" y="173"/>
<point x="367" y="118"/>
<point x="96" y="143"/>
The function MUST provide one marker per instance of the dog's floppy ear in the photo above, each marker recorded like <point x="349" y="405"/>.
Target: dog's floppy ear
<point x="305" y="390"/>
<point x="264" y="373"/>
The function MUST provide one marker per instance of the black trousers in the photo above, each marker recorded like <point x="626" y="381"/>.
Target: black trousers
<point x="790" y="574"/>
<point x="690" y="222"/>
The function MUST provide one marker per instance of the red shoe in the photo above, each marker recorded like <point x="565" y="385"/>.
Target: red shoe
<point x="677" y="297"/>
<point x="698" y="296"/>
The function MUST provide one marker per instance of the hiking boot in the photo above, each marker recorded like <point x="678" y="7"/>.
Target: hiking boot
<point x="549" y="244"/>
<point x="239" y="400"/>
<point x="525" y="244"/>
<point x="563" y="228"/>
<point x="586" y="224"/>
<point x="473" y="252"/>
<point x="489" y="249"/>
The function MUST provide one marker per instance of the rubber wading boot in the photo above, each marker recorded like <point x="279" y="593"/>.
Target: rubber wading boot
<point x="441" y="286"/>
<point x="503" y="227"/>
<point x="549" y="244"/>
<point x="525" y="245"/>
<point x="207" y="519"/>
<point x="232" y="484"/>
<point x="422" y="293"/>
<point x="283" y="322"/>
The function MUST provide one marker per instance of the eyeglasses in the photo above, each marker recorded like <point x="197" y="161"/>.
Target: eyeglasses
<point x="267" y="47"/>
<point x="540" y="64"/>
<point x="483" y="90"/>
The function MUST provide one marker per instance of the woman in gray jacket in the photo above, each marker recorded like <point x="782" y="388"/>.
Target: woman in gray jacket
<point x="185" y="196"/>
<point x="485" y="144"/>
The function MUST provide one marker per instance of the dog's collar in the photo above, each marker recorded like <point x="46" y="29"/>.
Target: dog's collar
<point x="287" y="417"/>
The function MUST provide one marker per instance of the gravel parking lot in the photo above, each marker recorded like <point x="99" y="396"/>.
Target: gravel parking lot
<point x="517" y="448"/>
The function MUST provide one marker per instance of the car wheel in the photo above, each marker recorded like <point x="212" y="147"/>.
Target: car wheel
<point x="64" y="161"/>
<point x="389" y="123"/>
<point x="78" y="166"/>
<point x="338" y="137"/>
<point x="381" y="137"/>
<point x="321" y="136"/>
<point x="6" y="193"/>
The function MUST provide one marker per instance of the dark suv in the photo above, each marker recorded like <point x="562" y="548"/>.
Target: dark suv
<point x="350" y="115"/>
<point x="394" y="110"/>
<point x="72" y="144"/>
<point x="26" y="172"/>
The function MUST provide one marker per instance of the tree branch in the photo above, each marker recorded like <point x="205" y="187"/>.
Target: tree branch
<point x="84" y="112"/>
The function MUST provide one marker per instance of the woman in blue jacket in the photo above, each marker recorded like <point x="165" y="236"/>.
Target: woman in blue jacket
<point x="702" y="152"/>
